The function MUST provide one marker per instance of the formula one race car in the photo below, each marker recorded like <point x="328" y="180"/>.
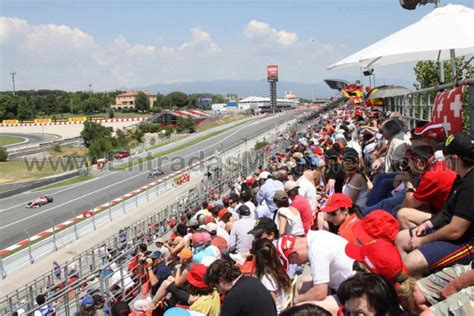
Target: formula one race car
<point x="155" y="173"/>
<point x="42" y="200"/>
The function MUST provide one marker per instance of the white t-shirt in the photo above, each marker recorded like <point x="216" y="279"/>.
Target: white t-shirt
<point x="308" y="190"/>
<point x="294" y="225"/>
<point x="328" y="259"/>
<point x="281" y="297"/>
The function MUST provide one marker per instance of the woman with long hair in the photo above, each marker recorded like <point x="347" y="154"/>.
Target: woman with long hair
<point x="269" y="270"/>
<point x="288" y="218"/>
<point x="356" y="183"/>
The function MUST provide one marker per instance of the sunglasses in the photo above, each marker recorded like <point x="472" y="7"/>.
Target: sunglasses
<point x="335" y="213"/>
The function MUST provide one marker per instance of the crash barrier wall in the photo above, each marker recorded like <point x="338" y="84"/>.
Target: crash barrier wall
<point x="70" y="120"/>
<point x="418" y="105"/>
<point x="95" y="256"/>
<point x="26" y="186"/>
<point x="29" y="149"/>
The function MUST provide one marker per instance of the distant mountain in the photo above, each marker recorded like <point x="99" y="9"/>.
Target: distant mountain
<point x="244" y="88"/>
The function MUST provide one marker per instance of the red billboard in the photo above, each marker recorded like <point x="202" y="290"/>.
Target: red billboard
<point x="272" y="72"/>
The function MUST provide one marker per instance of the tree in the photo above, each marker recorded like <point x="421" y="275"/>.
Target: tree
<point x="100" y="148"/>
<point x="160" y="98"/>
<point x="142" y="102"/>
<point x="121" y="140"/>
<point x="25" y="110"/>
<point x="176" y="99"/>
<point x="427" y="73"/>
<point x="93" y="131"/>
<point x="3" y="154"/>
<point x="185" y="125"/>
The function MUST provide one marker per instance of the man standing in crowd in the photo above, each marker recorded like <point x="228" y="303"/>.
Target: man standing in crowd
<point x="269" y="186"/>
<point x="300" y="203"/>
<point x="448" y="238"/>
<point x="240" y="240"/>
<point x="335" y="173"/>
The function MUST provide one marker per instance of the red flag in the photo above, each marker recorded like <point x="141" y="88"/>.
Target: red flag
<point x="447" y="110"/>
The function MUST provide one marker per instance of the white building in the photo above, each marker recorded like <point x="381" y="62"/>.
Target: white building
<point x="261" y="104"/>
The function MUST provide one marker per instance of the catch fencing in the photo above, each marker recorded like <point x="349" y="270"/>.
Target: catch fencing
<point x="223" y="168"/>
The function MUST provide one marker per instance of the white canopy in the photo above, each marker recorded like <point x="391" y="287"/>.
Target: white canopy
<point x="445" y="28"/>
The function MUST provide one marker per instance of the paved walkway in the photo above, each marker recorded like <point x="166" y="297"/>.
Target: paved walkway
<point x="43" y="265"/>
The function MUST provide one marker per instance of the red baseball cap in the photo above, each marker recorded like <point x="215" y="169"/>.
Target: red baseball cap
<point x="195" y="277"/>
<point x="379" y="256"/>
<point x="318" y="151"/>
<point x="250" y="180"/>
<point x="221" y="213"/>
<point x="284" y="247"/>
<point x="433" y="131"/>
<point x="209" y="219"/>
<point x="378" y="224"/>
<point x="336" y="201"/>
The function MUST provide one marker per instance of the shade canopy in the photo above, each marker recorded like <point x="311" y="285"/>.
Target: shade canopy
<point x="444" y="29"/>
<point x="387" y="91"/>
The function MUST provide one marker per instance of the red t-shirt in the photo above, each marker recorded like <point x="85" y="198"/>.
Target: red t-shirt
<point x="303" y="207"/>
<point x="435" y="186"/>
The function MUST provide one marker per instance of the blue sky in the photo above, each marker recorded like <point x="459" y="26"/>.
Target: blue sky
<point x="67" y="44"/>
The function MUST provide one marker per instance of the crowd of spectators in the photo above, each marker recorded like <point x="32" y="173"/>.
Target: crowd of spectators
<point x="344" y="221"/>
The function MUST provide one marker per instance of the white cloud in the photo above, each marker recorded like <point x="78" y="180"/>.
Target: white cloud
<point x="263" y="33"/>
<point x="63" y="57"/>
<point x="201" y="40"/>
<point x="50" y="56"/>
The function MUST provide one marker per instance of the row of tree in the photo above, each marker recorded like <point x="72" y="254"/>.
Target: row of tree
<point x="29" y="104"/>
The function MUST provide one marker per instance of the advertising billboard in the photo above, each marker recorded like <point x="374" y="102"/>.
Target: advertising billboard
<point x="272" y="72"/>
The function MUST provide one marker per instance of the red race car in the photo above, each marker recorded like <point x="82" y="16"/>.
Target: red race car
<point x="42" y="200"/>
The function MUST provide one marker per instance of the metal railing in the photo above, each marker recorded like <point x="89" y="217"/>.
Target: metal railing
<point x="418" y="105"/>
<point x="145" y="229"/>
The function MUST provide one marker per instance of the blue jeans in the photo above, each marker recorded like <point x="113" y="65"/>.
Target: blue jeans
<point x="383" y="185"/>
<point x="387" y="204"/>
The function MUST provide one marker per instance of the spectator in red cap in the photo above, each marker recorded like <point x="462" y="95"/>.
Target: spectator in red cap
<point x="427" y="198"/>
<point x="330" y="266"/>
<point x="202" y="298"/>
<point x="341" y="213"/>
<point x="376" y="225"/>
<point x="430" y="133"/>
<point x="382" y="257"/>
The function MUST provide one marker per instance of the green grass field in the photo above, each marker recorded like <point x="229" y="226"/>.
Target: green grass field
<point x="70" y="181"/>
<point x="7" y="140"/>
<point x="21" y="171"/>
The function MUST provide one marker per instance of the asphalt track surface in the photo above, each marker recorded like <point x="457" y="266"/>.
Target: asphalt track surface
<point x="18" y="222"/>
<point x="31" y="138"/>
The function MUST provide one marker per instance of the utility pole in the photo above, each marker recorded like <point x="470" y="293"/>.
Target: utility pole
<point x="90" y="88"/>
<point x="13" y="73"/>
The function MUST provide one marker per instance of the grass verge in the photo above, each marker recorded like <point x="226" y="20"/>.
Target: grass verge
<point x="63" y="183"/>
<point x="8" y="140"/>
<point x="20" y="171"/>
